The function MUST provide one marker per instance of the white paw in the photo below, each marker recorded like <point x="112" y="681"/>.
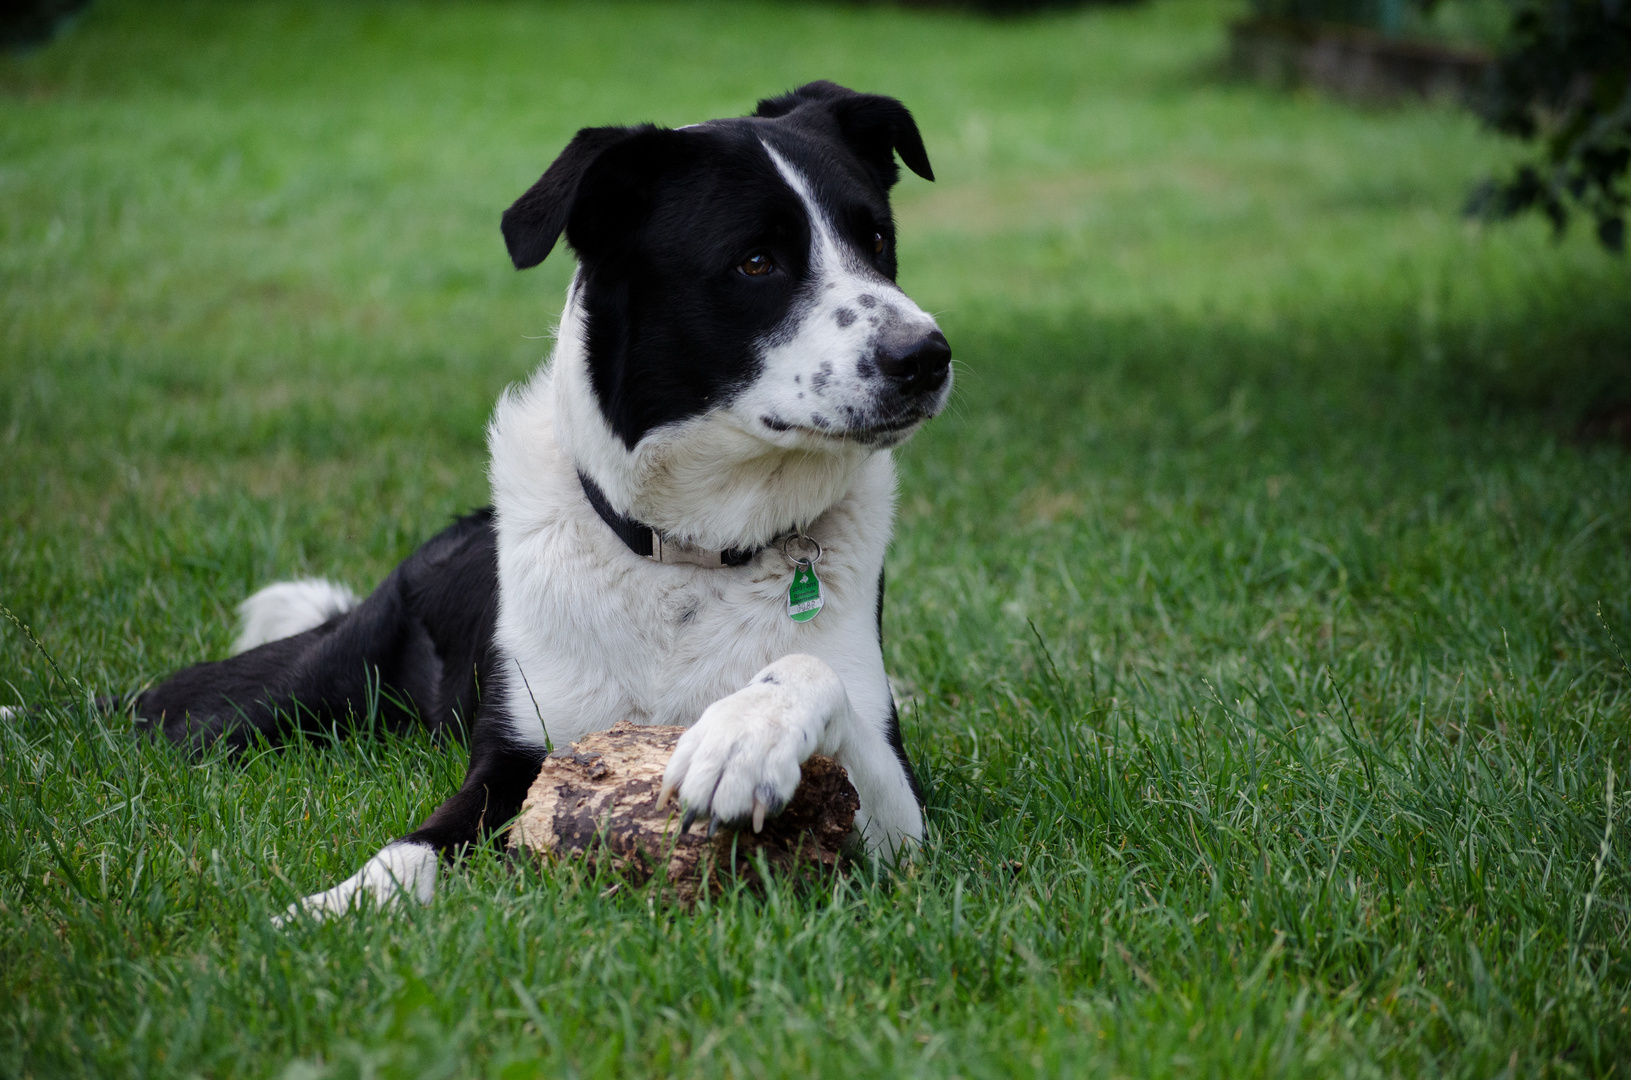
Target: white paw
<point x="740" y="762"/>
<point x="399" y="870"/>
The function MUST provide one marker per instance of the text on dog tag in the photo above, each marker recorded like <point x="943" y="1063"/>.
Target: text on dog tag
<point x="804" y="595"/>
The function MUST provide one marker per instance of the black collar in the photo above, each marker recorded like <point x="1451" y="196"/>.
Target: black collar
<point x="648" y="543"/>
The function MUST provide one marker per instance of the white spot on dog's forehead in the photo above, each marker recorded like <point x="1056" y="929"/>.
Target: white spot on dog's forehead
<point x="846" y="289"/>
<point x="826" y="252"/>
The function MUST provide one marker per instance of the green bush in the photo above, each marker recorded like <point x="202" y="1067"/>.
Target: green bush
<point x="1565" y="80"/>
<point x="24" y="23"/>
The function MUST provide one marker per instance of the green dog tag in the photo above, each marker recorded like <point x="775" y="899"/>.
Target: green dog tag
<point x="804" y="595"/>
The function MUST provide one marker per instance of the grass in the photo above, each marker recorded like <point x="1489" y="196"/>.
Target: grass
<point x="1265" y="626"/>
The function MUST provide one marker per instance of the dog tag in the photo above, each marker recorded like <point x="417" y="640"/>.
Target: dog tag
<point x="804" y="595"/>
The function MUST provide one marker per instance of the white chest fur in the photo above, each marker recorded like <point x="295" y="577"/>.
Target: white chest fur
<point x="590" y="633"/>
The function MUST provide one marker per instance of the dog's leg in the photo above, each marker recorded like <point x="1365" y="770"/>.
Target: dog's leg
<point x="403" y="868"/>
<point x="416" y="650"/>
<point x="740" y="761"/>
<point x="490" y="796"/>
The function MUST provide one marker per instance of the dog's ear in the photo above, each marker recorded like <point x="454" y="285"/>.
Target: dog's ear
<point x="535" y="221"/>
<point x="617" y="190"/>
<point x="821" y="90"/>
<point x="874" y="126"/>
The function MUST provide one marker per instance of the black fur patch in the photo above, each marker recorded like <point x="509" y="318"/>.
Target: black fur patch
<point x="417" y="651"/>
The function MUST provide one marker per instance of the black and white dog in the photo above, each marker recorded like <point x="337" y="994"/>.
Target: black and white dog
<point x="691" y="499"/>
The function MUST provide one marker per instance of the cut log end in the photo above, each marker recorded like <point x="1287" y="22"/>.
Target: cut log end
<point x="598" y="802"/>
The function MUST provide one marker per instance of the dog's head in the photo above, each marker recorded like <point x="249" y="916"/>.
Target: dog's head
<point x="744" y="269"/>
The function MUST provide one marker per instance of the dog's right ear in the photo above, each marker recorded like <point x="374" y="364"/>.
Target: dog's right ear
<point x="533" y="224"/>
<point x="876" y="127"/>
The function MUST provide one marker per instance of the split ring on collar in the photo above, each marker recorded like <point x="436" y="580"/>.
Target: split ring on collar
<point x="793" y="537"/>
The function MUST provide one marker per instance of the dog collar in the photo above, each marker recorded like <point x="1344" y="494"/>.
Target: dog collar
<point x="648" y="543"/>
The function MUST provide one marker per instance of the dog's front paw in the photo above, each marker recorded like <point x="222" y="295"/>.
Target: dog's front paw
<point x="399" y="870"/>
<point x="740" y="762"/>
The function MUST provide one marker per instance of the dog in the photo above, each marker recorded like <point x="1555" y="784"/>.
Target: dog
<point x="691" y="500"/>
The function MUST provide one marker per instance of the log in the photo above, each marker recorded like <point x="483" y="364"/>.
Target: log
<point x="597" y="803"/>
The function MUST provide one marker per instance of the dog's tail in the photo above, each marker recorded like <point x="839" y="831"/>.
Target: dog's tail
<point x="289" y="608"/>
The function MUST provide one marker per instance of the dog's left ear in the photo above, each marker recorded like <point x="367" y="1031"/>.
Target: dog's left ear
<point x="535" y="221"/>
<point x="875" y="127"/>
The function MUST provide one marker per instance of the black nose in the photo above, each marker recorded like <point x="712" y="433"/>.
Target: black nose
<point x="917" y="363"/>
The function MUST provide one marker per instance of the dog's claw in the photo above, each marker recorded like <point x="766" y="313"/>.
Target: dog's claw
<point x="664" y="795"/>
<point x="759" y="809"/>
<point x="685" y="822"/>
<point x="713" y="827"/>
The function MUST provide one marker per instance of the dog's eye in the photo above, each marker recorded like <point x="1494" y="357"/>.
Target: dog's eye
<point x="757" y="265"/>
<point x="877" y="243"/>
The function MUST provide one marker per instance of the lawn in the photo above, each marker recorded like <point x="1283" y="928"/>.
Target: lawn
<point x="1264" y="622"/>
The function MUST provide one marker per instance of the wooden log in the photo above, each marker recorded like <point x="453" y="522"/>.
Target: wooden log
<point x="597" y="802"/>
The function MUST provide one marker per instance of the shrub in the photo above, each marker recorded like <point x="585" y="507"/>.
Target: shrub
<point x="32" y="22"/>
<point x="1565" y="79"/>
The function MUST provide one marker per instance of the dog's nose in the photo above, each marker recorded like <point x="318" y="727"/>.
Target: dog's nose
<point x="917" y="363"/>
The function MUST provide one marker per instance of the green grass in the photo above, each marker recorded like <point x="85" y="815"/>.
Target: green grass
<point x="1264" y="621"/>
